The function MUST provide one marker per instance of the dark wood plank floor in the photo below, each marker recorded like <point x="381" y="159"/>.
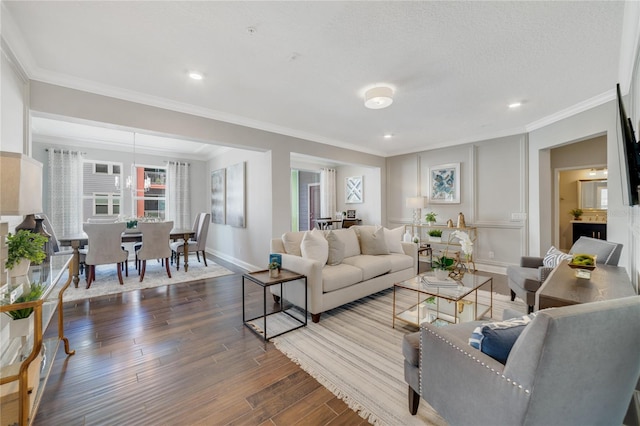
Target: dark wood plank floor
<point x="178" y="355"/>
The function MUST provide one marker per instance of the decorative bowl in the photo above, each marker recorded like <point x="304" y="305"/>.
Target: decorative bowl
<point x="583" y="261"/>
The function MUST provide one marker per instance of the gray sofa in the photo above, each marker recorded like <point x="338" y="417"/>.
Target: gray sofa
<point x="574" y="365"/>
<point x="525" y="279"/>
<point x="344" y="265"/>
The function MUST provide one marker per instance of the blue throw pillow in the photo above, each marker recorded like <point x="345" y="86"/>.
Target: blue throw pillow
<point x="497" y="338"/>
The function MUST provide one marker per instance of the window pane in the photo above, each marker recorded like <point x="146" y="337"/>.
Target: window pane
<point x="116" y="209"/>
<point x="102" y="209"/>
<point x="102" y="168"/>
<point x="116" y="169"/>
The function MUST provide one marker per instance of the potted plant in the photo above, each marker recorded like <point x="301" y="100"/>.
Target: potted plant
<point x="23" y="248"/>
<point x="576" y="213"/>
<point x="435" y="235"/>
<point x="21" y="324"/>
<point x="274" y="269"/>
<point x="442" y="265"/>
<point x="430" y="218"/>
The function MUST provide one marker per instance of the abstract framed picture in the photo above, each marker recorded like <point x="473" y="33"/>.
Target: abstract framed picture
<point x="218" y="186"/>
<point x="235" y="195"/>
<point x="444" y="184"/>
<point x="353" y="191"/>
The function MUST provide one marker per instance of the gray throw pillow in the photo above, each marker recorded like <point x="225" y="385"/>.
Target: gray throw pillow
<point x="372" y="242"/>
<point x="336" y="249"/>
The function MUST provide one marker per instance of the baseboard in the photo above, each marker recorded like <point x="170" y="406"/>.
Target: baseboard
<point x="494" y="269"/>
<point x="235" y="261"/>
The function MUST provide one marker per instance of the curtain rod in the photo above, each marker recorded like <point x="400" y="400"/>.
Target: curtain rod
<point x="63" y="150"/>
<point x="177" y="162"/>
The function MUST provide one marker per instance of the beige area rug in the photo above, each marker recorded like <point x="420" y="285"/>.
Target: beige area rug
<point x="355" y="353"/>
<point x="155" y="276"/>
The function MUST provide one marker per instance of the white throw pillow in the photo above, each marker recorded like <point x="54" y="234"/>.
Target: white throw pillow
<point x="350" y="239"/>
<point x="554" y="257"/>
<point x="336" y="249"/>
<point x="373" y="243"/>
<point x="393" y="238"/>
<point x="292" y="241"/>
<point x="315" y="246"/>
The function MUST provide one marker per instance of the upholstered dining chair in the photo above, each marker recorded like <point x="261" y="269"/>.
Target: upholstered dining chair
<point x="197" y="245"/>
<point x="105" y="247"/>
<point x="155" y="244"/>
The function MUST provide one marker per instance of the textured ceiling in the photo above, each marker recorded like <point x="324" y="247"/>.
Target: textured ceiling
<point x="303" y="70"/>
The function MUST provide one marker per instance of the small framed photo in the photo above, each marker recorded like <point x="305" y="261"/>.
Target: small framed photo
<point x="353" y="190"/>
<point x="351" y="214"/>
<point x="444" y="184"/>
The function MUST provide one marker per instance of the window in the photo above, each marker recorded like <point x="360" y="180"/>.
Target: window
<point x="106" y="204"/>
<point x="150" y="192"/>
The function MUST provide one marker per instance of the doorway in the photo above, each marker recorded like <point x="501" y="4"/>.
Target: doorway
<point x="314" y="204"/>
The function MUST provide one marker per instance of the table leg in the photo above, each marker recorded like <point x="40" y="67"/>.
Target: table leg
<point x="75" y="244"/>
<point x="185" y="247"/>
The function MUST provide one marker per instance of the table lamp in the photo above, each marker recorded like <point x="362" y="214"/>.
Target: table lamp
<point x="20" y="187"/>
<point x="416" y="203"/>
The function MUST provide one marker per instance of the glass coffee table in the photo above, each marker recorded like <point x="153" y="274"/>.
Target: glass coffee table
<point x="421" y="299"/>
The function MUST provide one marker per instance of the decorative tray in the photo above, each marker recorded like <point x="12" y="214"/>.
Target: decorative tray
<point x="583" y="261"/>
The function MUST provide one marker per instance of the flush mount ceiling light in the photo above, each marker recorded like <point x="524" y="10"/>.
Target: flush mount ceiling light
<point x="195" y="75"/>
<point x="378" y="97"/>
<point x="515" y="105"/>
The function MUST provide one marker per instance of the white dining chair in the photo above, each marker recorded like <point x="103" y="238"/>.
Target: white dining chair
<point x="155" y="244"/>
<point x="198" y="244"/>
<point x="105" y="247"/>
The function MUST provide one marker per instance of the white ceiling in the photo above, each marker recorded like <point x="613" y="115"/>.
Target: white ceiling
<point x="303" y="68"/>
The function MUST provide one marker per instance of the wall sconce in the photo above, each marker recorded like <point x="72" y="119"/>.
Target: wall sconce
<point x="20" y="187"/>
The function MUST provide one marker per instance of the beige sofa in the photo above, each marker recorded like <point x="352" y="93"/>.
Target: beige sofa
<point x="344" y="265"/>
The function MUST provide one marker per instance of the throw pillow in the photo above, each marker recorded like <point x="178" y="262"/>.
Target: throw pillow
<point x="315" y="246"/>
<point x="336" y="249"/>
<point x="373" y="243"/>
<point x="497" y="338"/>
<point x="554" y="257"/>
<point x="393" y="237"/>
<point x="350" y="239"/>
<point x="292" y="241"/>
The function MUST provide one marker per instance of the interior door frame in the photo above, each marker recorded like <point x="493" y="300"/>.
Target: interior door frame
<point x="313" y="188"/>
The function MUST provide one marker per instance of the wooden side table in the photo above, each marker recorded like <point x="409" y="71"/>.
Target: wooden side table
<point x="282" y="320"/>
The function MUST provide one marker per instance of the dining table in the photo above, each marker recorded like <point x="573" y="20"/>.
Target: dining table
<point x="76" y="241"/>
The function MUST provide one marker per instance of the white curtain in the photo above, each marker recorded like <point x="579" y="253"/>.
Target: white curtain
<point x="178" y="207"/>
<point x="65" y="191"/>
<point x="327" y="192"/>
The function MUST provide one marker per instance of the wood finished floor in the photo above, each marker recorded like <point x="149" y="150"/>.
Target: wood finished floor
<point x="178" y="355"/>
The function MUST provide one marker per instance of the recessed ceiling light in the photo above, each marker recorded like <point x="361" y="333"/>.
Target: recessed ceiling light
<point x="515" y="105"/>
<point x="195" y="75"/>
<point x="388" y="135"/>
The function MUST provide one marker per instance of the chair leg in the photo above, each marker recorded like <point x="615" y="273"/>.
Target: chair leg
<point x="513" y="295"/>
<point x="177" y="261"/>
<point x="142" y="269"/>
<point x="198" y="256"/>
<point x="166" y="263"/>
<point x="119" y="268"/>
<point x="204" y="257"/>
<point x="126" y="268"/>
<point x="414" y="401"/>
<point x="90" y="274"/>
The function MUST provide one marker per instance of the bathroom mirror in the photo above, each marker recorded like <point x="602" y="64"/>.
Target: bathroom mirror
<point x="592" y="194"/>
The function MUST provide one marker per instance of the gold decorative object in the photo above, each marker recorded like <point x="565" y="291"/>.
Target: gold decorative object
<point x="461" y="223"/>
<point x="449" y="223"/>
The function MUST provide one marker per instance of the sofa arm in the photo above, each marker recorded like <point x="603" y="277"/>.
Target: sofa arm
<point x="411" y="249"/>
<point x="531" y="262"/>
<point x="463" y="384"/>
<point x="313" y="270"/>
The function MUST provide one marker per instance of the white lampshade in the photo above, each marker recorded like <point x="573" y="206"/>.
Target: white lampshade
<point x="416" y="202"/>
<point x="378" y="97"/>
<point x="20" y="184"/>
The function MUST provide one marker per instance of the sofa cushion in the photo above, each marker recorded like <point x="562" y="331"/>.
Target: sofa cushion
<point x="373" y="243"/>
<point x="336" y="249"/>
<point x="399" y="262"/>
<point x="497" y="338"/>
<point x="340" y="276"/>
<point x="371" y="266"/>
<point x="315" y="246"/>
<point x="393" y="237"/>
<point x="292" y="241"/>
<point x="554" y="257"/>
<point x="350" y="239"/>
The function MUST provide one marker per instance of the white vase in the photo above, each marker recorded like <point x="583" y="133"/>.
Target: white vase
<point x="441" y="274"/>
<point x="20" y="327"/>
<point x="274" y="273"/>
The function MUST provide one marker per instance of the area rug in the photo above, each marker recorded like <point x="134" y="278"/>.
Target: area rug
<point x="355" y="353"/>
<point x="155" y="276"/>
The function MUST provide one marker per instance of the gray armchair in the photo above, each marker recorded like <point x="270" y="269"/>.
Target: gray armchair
<point x="524" y="280"/>
<point x="574" y="365"/>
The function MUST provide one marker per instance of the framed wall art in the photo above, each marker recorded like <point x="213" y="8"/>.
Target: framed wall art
<point x="444" y="184"/>
<point x="235" y="195"/>
<point x="354" y="190"/>
<point x="218" y="186"/>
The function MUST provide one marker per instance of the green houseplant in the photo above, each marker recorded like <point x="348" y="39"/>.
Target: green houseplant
<point x="435" y="235"/>
<point x="35" y="292"/>
<point x="576" y="213"/>
<point x="274" y="269"/>
<point x="25" y="244"/>
<point x="430" y="218"/>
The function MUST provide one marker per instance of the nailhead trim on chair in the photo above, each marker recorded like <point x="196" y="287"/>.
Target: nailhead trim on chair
<point x="527" y="391"/>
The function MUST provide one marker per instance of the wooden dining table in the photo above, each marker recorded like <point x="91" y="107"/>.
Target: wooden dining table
<point x="76" y="241"/>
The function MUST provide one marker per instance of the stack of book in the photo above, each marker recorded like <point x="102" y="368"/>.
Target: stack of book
<point x="432" y="281"/>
